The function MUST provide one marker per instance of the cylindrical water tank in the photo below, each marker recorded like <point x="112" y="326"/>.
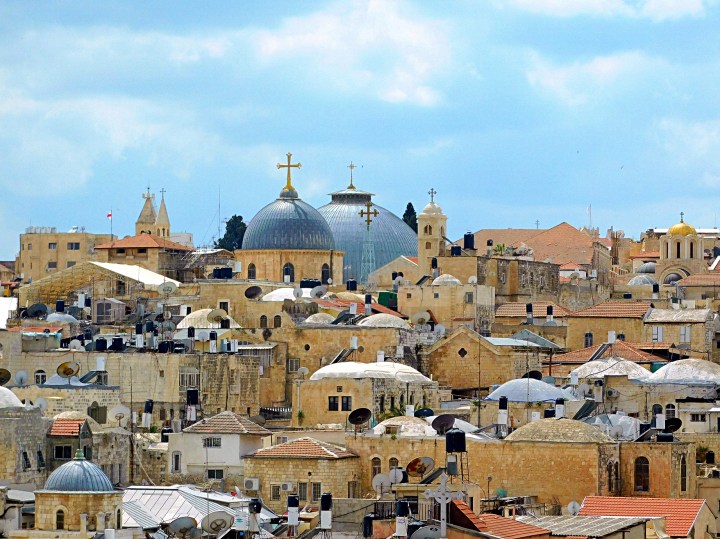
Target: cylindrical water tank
<point x="193" y="396"/>
<point x="60" y="306"/>
<point x="164" y="438"/>
<point x="148" y="406"/>
<point x="503" y="403"/>
<point x="433" y="263"/>
<point x="100" y="344"/>
<point x="402" y="508"/>
<point x="293" y="500"/>
<point x="368" y="525"/>
<point x="213" y="335"/>
<point x="469" y="240"/>
<point x="351" y="285"/>
<point x="455" y="441"/>
<point x="326" y="501"/>
<point x="191" y="332"/>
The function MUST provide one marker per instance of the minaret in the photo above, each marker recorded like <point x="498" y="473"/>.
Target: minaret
<point x="145" y="223"/>
<point x="162" y="222"/>
<point x="432" y="228"/>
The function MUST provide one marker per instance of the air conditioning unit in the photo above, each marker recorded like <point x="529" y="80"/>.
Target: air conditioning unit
<point x="287" y="486"/>
<point x="612" y="393"/>
<point x="251" y="483"/>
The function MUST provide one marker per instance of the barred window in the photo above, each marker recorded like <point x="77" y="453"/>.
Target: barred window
<point x="212" y="442"/>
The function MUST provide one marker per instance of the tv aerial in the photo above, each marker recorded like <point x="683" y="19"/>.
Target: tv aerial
<point x="443" y="423"/>
<point x="216" y="522"/>
<point x="4" y="376"/>
<point x="68" y="369"/>
<point x="420" y="466"/>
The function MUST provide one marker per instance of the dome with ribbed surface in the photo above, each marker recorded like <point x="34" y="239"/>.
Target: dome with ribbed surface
<point x="558" y="430"/>
<point x="642" y="280"/>
<point x="391" y="236"/>
<point x="79" y="475"/>
<point x="682" y="229"/>
<point x="647" y="267"/>
<point x="288" y="223"/>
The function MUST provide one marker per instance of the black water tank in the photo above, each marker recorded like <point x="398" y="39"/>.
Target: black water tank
<point x="148" y="406"/>
<point x="163" y="347"/>
<point x="710" y="457"/>
<point x="644" y="427"/>
<point x="503" y="403"/>
<point x="394" y="275"/>
<point x="216" y="273"/>
<point x="87" y="334"/>
<point x="100" y="344"/>
<point x="325" y="501"/>
<point x="455" y="250"/>
<point x="225" y="323"/>
<point x="193" y="396"/>
<point x="627" y="295"/>
<point x="549" y="412"/>
<point x="213" y="335"/>
<point x="368" y="299"/>
<point x="164" y="438"/>
<point x="88" y="301"/>
<point x="191" y="332"/>
<point x="469" y="240"/>
<point x="656" y="288"/>
<point x="560" y="401"/>
<point x="226" y="273"/>
<point x="255" y="507"/>
<point x="149" y="326"/>
<point x="368" y="525"/>
<point x="138" y="328"/>
<point x="60" y="306"/>
<point x="433" y="263"/>
<point x="117" y="344"/>
<point x="351" y="285"/>
<point x="664" y="437"/>
<point x="455" y="441"/>
<point x="293" y="500"/>
<point x="402" y="508"/>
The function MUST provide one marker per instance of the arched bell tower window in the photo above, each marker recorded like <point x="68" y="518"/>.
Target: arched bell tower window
<point x="252" y="271"/>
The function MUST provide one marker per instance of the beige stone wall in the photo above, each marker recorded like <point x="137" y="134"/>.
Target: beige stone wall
<point x="47" y="503"/>
<point x="664" y="459"/>
<point x="333" y="474"/>
<point x="702" y="337"/>
<point x="449" y="304"/>
<point x="22" y="430"/>
<point x="307" y="263"/>
<point x="382" y="277"/>
<point x="577" y="326"/>
<point x="80" y="399"/>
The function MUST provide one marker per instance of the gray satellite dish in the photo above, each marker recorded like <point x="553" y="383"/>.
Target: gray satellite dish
<point x="297" y="292"/>
<point x="381" y="483"/>
<point x="216" y="522"/>
<point x="317" y="292"/>
<point x="167" y="288"/>
<point x="76" y="345"/>
<point x="203" y="336"/>
<point x="42" y="403"/>
<point x="440" y="330"/>
<point x="573" y="508"/>
<point x="303" y="371"/>
<point x="396" y="475"/>
<point x="329" y="280"/>
<point x="472" y="279"/>
<point x="36" y="310"/>
<point x="181" y="527"/>
<point x="4" y="376"/>
<point x="443" y="423"/>
<point x="21" y="377"/>
<point x="426" y="532"/>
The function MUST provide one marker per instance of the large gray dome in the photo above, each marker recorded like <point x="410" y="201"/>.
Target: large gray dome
<point x="79" y="475"/>
<point x="390" y="235"/>
<point x="288" y="223"/>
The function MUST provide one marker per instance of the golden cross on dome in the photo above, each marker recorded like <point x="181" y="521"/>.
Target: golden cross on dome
<point x="352" y="166"/>
<point x="369" y="214"/>
<point x="432" y="192"/>
<point x="289" y="167"/>
<point x="682" y="214"/>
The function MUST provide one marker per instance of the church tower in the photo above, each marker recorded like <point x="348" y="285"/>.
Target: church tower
<point x="432" y="229"/>
<point x="145" y="223"/>
<point x="162" y="223"/>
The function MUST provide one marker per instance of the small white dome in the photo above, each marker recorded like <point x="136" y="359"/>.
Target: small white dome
<point x="8" y="399"/>
<point x="611" y="366"/>
<point x="354" y="369"/>
<point x="446" y="280"/>
<point x="406" y="426"/>
<point x="319" y="318"/>
<point x="529" y="390"/>
<point x="281" y="294"/>
<point x="384" y="320"/>
<point x="642" y="280"/>
<point x="432" y="209"/>
<point x="199" y="320"/>
<point x="689" y="371"/>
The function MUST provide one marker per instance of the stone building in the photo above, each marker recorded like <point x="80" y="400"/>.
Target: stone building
<point x="590" y="326"/>
<point x="693" y="331"/>
<point x="305" y="467"/>
<point x="154" y="253"/>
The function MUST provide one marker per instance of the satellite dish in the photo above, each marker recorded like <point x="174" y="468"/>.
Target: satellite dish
<point x="396" y="475"/>
<point x="181" y="527"/>
<point x="258" y="420"/>
<point x="4" y="376"/>
<point x="318" y="292"/>
<point x="426" y="532"/>
<point x="68" y="369"/>
<point x="440" y="330"/>
<point x="167" y="326"/>
<point x="203" y="336"/>
<point x="297" y="292"/>
<point x="216" y="315"/>
<point x="472" y="279"/>
<point x="573" y="508"/>
<point x="329" y="280"/>
<point x="36" y="310"/>
<point x="195" y="533"/>
<point x="253" y="292"/>
<point x="42" y="403"/>
<point x="76" y="345"/>
<point x="121" y="414"/>
<point x="673" y="424"/>
<point x="359" y="416"/>
<point x="398" y="280"/>
<point x="381" y="483"/>
<point x="424" y="412"/>
<point x="421" y="318"/>
<point x="167" y="288"/>
<point x="21" y="377"/>
<point x="303" y="371"/>
<point x="420" y="466"/>
<point x="443" y="423"/>
<point x="216" y="522"/>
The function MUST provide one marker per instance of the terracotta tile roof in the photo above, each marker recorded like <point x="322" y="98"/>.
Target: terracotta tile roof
<point x="680" y="513"/>
<point x="144" y="240"/>
<point x="227" y="423"/>
<point x="570" y="266"/>
<point x="647" y="254"/>
<point x="562" y="244"/>
<point x="461" y="515"/>
<point x="66" y="427"/>
<point x="615" y="309"/>
<point x="517" y="309"/>
<point x="664" y="346"/>
<point x="701" y="279"/>
<point x="304" y="448"/>
<point x="507" y="528"/>
<point x="413" y="259"/>
<point x="619" y="349"/>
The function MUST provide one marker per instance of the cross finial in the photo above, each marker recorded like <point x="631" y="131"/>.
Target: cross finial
<point x="432" y="192"/>
<point x="162" y="193"/>
<point x="369" y="214"/>
<point x="682" y="214"/>
<point x="148" y="195"/>
<point x="537" y="223"/>
<point x="352" y="166"/>
<point x="289" y="167"/>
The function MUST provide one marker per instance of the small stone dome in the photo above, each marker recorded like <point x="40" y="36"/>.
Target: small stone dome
<point x="384" y="320"/>
<point x="672" y="278"/>
<point x="319" y="318"/>
<point x="8" y="399"/>
<point x="689" y="371"/>
<point x="529" y="390"/>
<point x="682" y="229"/>
<point x="611" y="366"/>
<point x="431" y="209"/>
<point x="647" y="267"/>
<point x="446" y="280"/>
<point x="405" y="426"/>
<point x="79" y="475"/>
<point x="642" y="280"/>
<point x="559" y="430"/>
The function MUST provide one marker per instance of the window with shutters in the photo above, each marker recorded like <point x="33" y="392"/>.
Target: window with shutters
<point x="642" y="474"/>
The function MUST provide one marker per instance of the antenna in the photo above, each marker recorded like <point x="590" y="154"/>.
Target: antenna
<point x="68" y="369"/>
<point x="4" y="376"/>
<point x="21" y="377"/>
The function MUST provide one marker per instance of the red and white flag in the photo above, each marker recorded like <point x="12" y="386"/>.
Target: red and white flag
<point x="109" y="215"/>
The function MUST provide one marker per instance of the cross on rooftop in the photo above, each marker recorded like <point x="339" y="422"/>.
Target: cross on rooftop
<point x="369" y="214"/>
<point x="289" y="167"/>
<point x="148" y="195"/>
<point x="352" y="166"/>
<point x="162" y="192"/>
<point x="432" y="192"/>
<point x="682" y="214"/>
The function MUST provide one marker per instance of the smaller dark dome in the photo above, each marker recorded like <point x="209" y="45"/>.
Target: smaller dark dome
<point x="79" y="475"/>
<point x="647" y="267"/>
<point x="672" y="278"/>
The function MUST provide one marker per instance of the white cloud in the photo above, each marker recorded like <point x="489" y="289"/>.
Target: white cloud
<point x="691" y="143"/>
<point x="656" y="10"/>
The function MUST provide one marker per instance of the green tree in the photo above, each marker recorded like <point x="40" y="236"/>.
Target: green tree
<point x="234" y="233"/>
<point x="410" y="217"/>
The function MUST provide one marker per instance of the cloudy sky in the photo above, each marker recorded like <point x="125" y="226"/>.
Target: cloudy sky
<point x="513" y="110"/>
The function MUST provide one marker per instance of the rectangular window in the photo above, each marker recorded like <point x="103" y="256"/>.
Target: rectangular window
<point x="212" y="442"/>
<point x="353" y="489"/>
<point x="685" y="334"/>
<point x="333" y="404"/>
<point x="293" y="364"/>
<point x="73" y="246"/>
<point x="224" y="305"/>
<point x="52" y="246"/>
<point x="657" y="333"/>
<point x="52" y="265"/>
<point x="120" y="251"/>
<point x="281" y="439"/>
<point x="189" y="377"/>
<point x="29" y="246"/>
<point x="303" y="491"/>
<point x="87" y="452"/>
<point x="142" y="251"/>
<point x="468" y="297"/>
<point x="40" y="459"/>
<point x="63" y="452"/>
<point x="408" y="295"/>
<point x="26" y="461"/>
<point x="215" y="474"/>
<point x="275" y="492"/>
<point x="70" y="264"/>
<point x="698" y="418"/>
<point x="347" y="404"/>
<point x="436" y="295"/>
<point x="176" y="462"/>
<point x="339" y="389"/>
<point x="316" y="491"/>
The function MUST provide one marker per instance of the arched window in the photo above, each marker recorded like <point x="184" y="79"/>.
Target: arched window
<point x="428" y="245"/>
<point x="176" y="462"/>
<point x="40" y="377"/>
<point x="289" y="272"/>
<point x="656" y="409"/>
<point x="251" y="271"/>
<point x="692" y="249"/>
<point x="263" y="321"/>
<point x="375" y="466"/>
<point x="97" y="412"/>
<point x="611" y="476"/>
<point x="669" y="411"/>
<point x="427" y="230"/>
<point x="324" y="274"/>
<point x="683" y="474"/>
<point x="277" y="321"/>
<point x="60" y="520"/>
<point x="118" y="520"/>
<point x="667" y="250"/>
<point x="393" y="463"/>
<point x="642" y="474"/>
<point x="677" y="250"/>
<point x="588" y="340"/>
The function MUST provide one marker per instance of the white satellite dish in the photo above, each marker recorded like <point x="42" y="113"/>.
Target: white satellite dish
<point x="440" y="330"/>
<point x="21" y="378"/>
<point x="297" y="292"/>
<point x="420" y="318"/>
<point x="303" y="371"/>
<point x="216" y="315"/>
<point x="573" y="508"/>
<point x="426" y="532"/>
<point x="76" y="345"/>
<point x="167" y="288"/>
<point x="216" y="522"/>
<point x="472" y="279"/>
<point x="42" y="403"/>
<point x="381" y="483"/>
<point x="121" y="414"/>
<point x="203" y="336"/>
<point x="329" y="280"/>
<point x="396" y="475"/>
<point x="317" y="292"/>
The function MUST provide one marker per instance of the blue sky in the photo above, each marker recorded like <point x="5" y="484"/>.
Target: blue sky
<point x="514" y="110"/>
